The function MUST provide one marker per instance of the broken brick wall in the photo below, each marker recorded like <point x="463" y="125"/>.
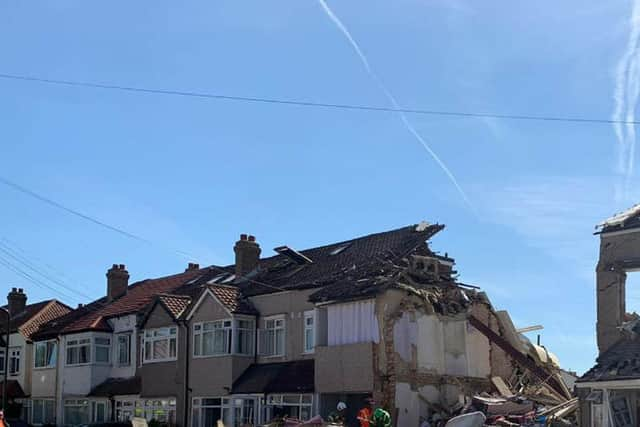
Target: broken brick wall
<point x="501" y="364"/>
<point x="425" y="360"/>
<point x="619" y="253"/>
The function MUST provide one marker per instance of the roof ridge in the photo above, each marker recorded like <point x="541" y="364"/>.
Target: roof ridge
<point x="37" y="314"/>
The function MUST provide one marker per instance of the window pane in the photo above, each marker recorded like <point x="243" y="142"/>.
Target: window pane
<point x="85" y="354"/>
<point x="172" y="347"/>
<point x="103" y="341"/>
<point x="38" y="412"/>
<point x="279" y="341"/>
<point x="160" y="349"/>
<point x="197" y="342"/>
<point x="102" y="354"/>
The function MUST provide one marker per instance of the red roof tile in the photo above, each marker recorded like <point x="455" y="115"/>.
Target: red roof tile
<point x="137" y="297"/>
<point x="52" y="310"/>
<point x="175" y="304"/>
<point x="231" y="297"/>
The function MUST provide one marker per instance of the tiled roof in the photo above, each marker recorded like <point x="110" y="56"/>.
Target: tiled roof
<point x="35" y="315"/>
<point x="627" y="219"/>
<point x="53" y="310"/>
<point x="620" y="362"/>
<point x="94" y="316"/>
<point x="117" y="387"/>
<point x="175" y="304"/>
<point x="285" y="377"/>
<point x="359" y="257"/>
<point x="330" y="263"/>
<point x="233" y="299"/>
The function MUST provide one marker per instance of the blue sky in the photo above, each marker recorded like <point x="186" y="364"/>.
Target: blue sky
<point x="192" y="174"/>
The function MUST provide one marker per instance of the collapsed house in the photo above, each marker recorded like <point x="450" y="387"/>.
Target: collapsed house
<point x="380" y="316"/>
<point x="610" y="391"/>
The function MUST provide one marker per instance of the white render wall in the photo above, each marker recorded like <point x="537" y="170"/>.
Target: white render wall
<point x="124" y="324"/>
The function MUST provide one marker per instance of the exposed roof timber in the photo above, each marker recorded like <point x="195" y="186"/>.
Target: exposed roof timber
<point x="529" y="329"/>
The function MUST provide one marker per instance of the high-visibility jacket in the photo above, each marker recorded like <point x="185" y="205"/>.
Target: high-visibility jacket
<point x="364" y="416"/>
<point x="381" y="418"/>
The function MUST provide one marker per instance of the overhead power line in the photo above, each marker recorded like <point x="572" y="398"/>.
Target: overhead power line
<point x="102" y="224"/>
<point x="325" y="105"/>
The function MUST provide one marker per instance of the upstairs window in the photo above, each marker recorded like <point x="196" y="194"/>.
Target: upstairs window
<point x="46" y="354"/>
<point x="160" y="344"/>
<point x="2" y="353"/>
<point x="309" y="331"/>
<point x="244" y="338"/>
<point x="79" y="351"/>
<point x="212" y="338"/>
<point x="14" y="361"/>
<point x="103" y="349"/>
<point x="124" y="350"/>
<point x="272" y="337"/>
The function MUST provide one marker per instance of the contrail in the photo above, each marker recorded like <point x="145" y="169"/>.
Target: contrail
<point x="626" y="94"/>
<point x="338" y="23"/>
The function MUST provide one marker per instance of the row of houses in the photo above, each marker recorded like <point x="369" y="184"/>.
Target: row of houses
<point x="379" y="316"/>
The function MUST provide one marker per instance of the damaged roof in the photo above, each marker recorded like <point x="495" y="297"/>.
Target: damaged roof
<point x="338" y="261"/>
<point x="346" y="261"/>
<point x="620" y="362"/>
<point x="624" y="220"/>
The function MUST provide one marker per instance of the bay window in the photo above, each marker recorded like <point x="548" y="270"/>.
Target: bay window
<point x="160" y="344"/>
<point x="220" y="337"/>
<point x="76" y="412"/>
<point x="272" y="337"/>
<point x="207" y="411"/>
<point x="103" y="349"/>
<point x="292" y="405"/>
<point x="43" y="411"/>
<point x="79" y="351"/>
<point x="46" y="354"/>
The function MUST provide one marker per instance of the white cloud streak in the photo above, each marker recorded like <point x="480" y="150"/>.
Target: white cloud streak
<point x="365" y="62"/>
<point x="626" y="94"/>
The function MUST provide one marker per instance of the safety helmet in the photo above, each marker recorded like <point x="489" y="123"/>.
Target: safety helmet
<point x="342" y="406"/>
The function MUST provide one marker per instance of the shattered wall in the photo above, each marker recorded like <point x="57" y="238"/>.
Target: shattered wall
<point x="426" y="361"/>
<point x="619" y="254"/>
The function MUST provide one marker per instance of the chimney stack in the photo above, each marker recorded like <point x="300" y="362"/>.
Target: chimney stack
<point x="117" y="281"/>
<point x="193" y="266"/>
<point x="247" y="254"/>
<point x="17" y="301"/>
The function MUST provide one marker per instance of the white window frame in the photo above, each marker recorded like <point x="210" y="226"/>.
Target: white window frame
<point x="49" y="344"/>
<point x="309" y="315"/>
<point x="274" y="338"/>
<point x="222" y="328"/>
<point x="198" y="405"/>
<point x="94" y="411"/>
<point x="76" y="344"/>
<point x="41" y="403"/>
<point x="127" y="342"/>
<point x="125" y="406"/>
<point x="102" y="346"/>
<point x="300" y="401"/>
<point x="236" y="335"/>
<point x="15" y="354"/>
<point x="76" y="403"/>
<point x="152" y="336"/>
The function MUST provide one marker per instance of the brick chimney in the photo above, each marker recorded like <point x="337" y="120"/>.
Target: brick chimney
<point x="193" y="266"/>
<point x="17" y="301"/>
<point x="117" y="281"/>
<point x="247" y="254"/>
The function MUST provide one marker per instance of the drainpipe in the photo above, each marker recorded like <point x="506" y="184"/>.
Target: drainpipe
<point x="187" y="389"/>
<point x="57" y="394"/>
<point x="6" y="361"/>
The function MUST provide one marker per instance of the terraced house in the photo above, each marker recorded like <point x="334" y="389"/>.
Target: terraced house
<point x="290" y="334"/>
<point x="26" y="359"/>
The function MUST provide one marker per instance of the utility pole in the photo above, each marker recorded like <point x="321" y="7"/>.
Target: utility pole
<point x="6" y="361"/>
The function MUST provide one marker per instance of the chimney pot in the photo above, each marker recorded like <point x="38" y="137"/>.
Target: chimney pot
<point x="193" y="266"/>
<point x="247" y="252"/>
<point x="20" y="290"/>
<point x="16" y="301"/>
<point x="117" y="281"/>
